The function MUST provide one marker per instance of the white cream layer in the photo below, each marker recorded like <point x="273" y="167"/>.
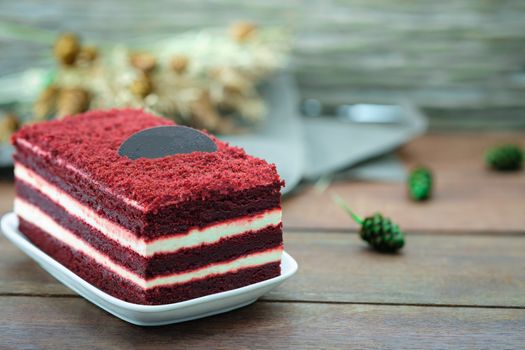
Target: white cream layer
<point x="37" y="217"/>
<point x="169" y="244"/>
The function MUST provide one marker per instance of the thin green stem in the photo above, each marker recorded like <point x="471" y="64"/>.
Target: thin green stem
<point x="340" y="202"/>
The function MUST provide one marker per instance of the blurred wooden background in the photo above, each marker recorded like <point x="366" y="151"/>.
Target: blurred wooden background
<point x="463" y="61"/>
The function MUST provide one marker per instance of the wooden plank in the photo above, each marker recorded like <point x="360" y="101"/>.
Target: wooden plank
<point x="434" y="270"/>
<point x="67" y="323"/>
<point x="445" y="270"/>
<point x="467" y="196"/>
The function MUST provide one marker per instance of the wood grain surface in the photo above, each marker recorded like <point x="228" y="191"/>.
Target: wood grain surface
<point x="467" y="197"/>
<point x="72" y="323"/>
<point x="338" y="267"/>
<point x="459" y="283"/>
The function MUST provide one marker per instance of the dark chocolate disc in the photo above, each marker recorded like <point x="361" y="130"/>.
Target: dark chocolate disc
<point x="162" y="141"/>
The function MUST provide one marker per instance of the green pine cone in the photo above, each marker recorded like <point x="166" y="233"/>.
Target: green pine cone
<point x="378" y="231"/>
<point x="504" y="158"/>
<point x="382" y="234"/>
<point x="420" y="183"/>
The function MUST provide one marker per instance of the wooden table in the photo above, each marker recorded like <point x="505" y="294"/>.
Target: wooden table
<point x="459" y="282"/>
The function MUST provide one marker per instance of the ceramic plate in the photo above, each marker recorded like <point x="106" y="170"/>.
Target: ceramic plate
<point x="147" y="315"/>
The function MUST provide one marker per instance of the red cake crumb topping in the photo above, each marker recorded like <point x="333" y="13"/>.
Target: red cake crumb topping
<point x="90" y="143"/>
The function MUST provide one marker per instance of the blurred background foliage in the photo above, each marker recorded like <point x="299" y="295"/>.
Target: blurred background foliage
<point x="462" y="61"/>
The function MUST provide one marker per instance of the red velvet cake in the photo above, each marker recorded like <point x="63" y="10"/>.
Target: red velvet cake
<point x="148" y="231"/>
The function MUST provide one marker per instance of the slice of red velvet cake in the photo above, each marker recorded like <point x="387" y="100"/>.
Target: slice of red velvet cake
<point x="149" y="231"/>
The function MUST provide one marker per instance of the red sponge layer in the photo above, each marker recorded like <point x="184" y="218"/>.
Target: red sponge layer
<point x="100" y="277"/>
<point x="185" y="259"/>
<point x="175" y="193"/>
<point x="89" y="142"/>
<point x="77" y="159"/>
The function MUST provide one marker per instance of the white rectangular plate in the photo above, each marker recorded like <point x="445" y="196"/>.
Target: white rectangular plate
<point x="147" y="315"/>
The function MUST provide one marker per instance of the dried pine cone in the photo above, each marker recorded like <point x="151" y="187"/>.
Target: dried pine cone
<point x="204" y="114"/>
<point x="420" y="183"/>
<point x="8" y="124"/>
<point x="46" y="104"/>
<point x="242" y="31"/>
<point x="142" y="86"/>
<point x="379" y="232"/>
<point x="179" y="63"/>
<point x="87" y="54"/>
<point x="505" y="158"/>
<point x="67" y="48"/>
<point x="231" y="79"/>
<point x="143" y="61"/>
<point x="73" y="101"/>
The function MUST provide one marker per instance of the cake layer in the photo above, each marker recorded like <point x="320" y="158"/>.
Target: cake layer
<point x="150" y="231"/>
<point x="45" y="195"/>
<point x="251" y="239"/>
<point x="43" y="172"/>
<point x="40" y="220"/>
<point x="106" y="280"/>
<point x="150" y="197"/>
<point x="89" y="144"/>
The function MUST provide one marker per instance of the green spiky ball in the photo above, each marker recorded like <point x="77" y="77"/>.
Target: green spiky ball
<point x="420" y="183"/>
<point x="505" y="158"/>
<point x="379" y="232"/>
<point x="382" y="234"/>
